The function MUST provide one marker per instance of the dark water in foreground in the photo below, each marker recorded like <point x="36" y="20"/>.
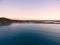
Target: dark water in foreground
<point x="30" y="34"/>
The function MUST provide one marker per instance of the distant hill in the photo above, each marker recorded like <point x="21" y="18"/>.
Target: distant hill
<point x="5" y="20"/>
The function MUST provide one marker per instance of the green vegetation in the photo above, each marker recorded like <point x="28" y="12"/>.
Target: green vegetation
<point x="5" y="21"/>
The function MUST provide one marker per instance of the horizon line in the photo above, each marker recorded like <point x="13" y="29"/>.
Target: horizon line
<point x="29" y="19"/>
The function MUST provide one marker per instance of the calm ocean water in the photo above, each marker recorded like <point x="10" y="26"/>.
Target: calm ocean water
<point x="30" y="34"/>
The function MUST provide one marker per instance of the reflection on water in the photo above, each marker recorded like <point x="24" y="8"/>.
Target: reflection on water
<point x="30" y="34"/>
<point x="5" y="24"/>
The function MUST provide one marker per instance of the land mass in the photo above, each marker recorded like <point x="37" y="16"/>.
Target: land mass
<point x="8" y="21"/>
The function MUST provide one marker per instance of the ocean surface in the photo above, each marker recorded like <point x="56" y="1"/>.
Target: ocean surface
<point x="30" y="34"/>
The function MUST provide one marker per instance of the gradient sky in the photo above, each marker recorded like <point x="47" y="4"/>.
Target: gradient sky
<point x="30" y="9"/>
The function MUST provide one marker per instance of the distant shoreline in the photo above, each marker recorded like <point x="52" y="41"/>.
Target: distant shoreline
<point x="7" y="21"/>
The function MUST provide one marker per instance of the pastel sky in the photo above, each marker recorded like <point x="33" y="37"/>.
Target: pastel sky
<point x="30" y="9"/>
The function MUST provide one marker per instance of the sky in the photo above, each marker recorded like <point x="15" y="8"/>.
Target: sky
<point x="30" y="9"/>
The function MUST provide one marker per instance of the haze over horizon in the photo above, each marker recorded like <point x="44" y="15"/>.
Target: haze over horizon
<point x="30" y="9"/>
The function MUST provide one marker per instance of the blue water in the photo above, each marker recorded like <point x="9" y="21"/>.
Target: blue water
<point x="30" y="34"/>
